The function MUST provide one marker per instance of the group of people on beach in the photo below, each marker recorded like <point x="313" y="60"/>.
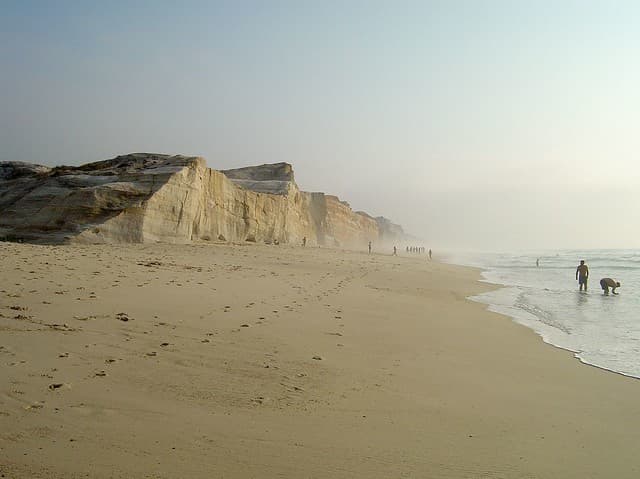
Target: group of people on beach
<point x="418" y="250"/>
<point x="582" y="276"/>
<point x="410" y="249"/>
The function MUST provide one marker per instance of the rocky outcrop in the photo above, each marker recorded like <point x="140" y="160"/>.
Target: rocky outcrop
<point x="275" y="179"/>
<point x="338" y="224"/>
<point x="148" y="197"/>
<point x="388" y="231"/>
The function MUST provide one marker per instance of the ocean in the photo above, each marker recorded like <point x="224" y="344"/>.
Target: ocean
<point x="602" y="331"/>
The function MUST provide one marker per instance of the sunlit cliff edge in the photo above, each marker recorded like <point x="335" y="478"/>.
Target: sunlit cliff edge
<point x="144" y="197"/>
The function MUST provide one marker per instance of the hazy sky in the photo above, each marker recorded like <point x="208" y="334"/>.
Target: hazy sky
<point x="475" y="124"/>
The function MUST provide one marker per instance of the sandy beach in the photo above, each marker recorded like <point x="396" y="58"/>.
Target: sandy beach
<point x="257" y="361"/>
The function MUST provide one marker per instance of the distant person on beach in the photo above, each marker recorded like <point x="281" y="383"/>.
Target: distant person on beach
<point x="369" y="247"/>
<point x="395" y="251"/>
<point x="537" y="262"/>
<point x="429" y="253"/>
<point x="606" y="283"/>
<point x="304" y="241"/>
<point x="582" y="275"/>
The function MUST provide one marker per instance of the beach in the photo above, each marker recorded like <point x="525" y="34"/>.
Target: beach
<point x="602" y="330"/>
<point x="265" y="361"/>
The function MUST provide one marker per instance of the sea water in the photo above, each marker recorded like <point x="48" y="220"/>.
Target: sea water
<point x="603" y="331"/>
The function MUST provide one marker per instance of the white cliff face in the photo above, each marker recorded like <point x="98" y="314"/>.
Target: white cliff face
<point x="274" y="179"/>
<point x="198" y="203"/>
<point x="338" y="225"/>
<point x="59" y="204"/>
<point x="175" y="199"/>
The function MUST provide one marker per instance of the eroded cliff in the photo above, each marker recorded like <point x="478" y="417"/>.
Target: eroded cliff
<point x="148" y="197"/>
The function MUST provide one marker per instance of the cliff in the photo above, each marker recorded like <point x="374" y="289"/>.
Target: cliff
<point x="145" y="197"/>
<point x="275" y="179"/>
<point x="339" y="224"/>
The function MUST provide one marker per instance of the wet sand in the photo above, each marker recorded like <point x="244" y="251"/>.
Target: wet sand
<point x="165" y="361"/>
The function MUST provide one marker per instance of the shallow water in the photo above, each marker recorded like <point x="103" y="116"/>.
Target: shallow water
<point x="602" y="330"/>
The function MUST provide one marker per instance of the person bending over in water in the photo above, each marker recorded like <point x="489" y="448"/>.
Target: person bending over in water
<point x="582" y="275"/>
<point x="606" y="283"/>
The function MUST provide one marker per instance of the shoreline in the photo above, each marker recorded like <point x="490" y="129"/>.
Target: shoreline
<point x="528" y="319"/>
<point x="574" y="353"/>
<point x="272" y="361"/>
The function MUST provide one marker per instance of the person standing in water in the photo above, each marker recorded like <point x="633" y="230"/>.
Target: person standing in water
<point x="606" y="283"/>
<point x="537" y="262"/>
<point x="582" y="275"/>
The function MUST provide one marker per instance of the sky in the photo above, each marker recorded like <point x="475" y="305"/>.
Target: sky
<point x="486" y="125"/>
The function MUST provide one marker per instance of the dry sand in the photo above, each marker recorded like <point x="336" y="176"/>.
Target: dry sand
<point x="218" y="361"/>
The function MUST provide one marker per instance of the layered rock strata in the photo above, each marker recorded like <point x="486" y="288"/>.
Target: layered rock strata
<point x="177" y="199"/>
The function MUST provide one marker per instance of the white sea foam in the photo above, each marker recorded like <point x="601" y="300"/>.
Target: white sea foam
<point x="601" y="330"/>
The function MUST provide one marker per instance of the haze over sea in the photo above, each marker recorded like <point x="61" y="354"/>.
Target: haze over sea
<point x="603" y="331"/>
